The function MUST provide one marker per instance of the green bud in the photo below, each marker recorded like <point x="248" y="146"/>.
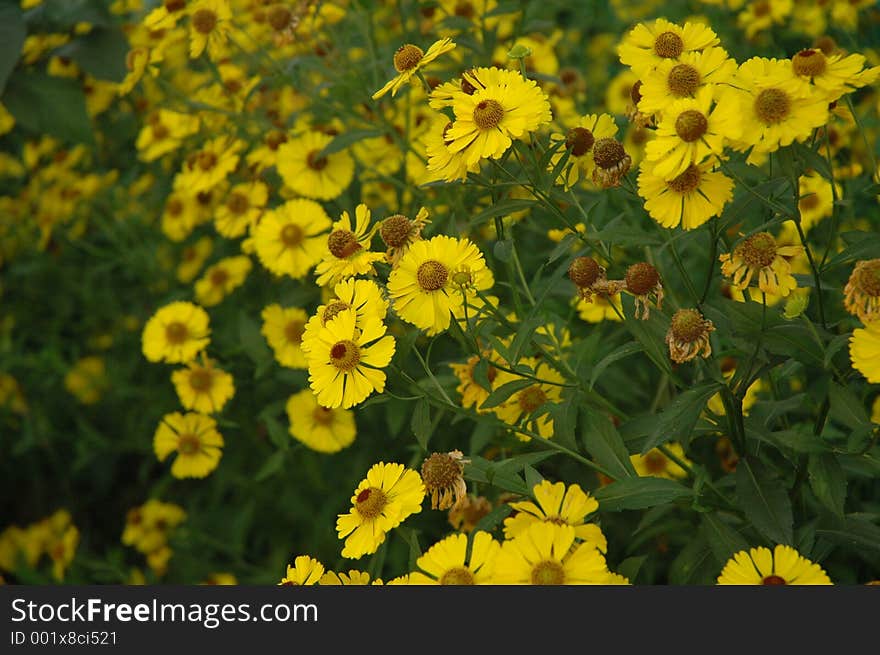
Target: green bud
<point x="519" y="51"/>
<point x="796" y="305"/>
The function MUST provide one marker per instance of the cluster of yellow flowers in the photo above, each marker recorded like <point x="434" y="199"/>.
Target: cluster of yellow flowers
<point x="54" y="536"/>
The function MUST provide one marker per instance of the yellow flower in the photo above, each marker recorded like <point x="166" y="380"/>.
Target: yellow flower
<point x="447" y="562"/>
<point x="783" y="566"/>
<point x="648" y="44"/>
<point x="773" y="111"/>
<point x="180" y="216"/>
<point x="11" y="397"/>
<point x="210" y="24"/>
<point x="435" y="278"/>
<point x="601" y="308"/>
<point x="205" y="169"/>
<point x="194" y="438"/>
<point x="864" y="350"/>
<point x="546" y="554"/>
<point x="672" y="79"/>
<point x="760" y="15"/>
<point x="862" y="291"/>
<point x="221" y="279"/>
<point x="353" y="577"/>
<point x="408" y="60"/>
<point x="305" y="571"/>
<point x="347" y="251"/>
<point x="691" y="130"/>
<point x="487" y="120"/>
<point x="363" y="296"/>
<point x="147" y="526"/>
<point x="472" y="392"/>
<point x="283" y="328"/>
<point x="220" y="579"/>
<point x="289" y="238"/>
<point x="243" y="206"/>
<point x="202" y="387"/>
<point x="559" y="505"/>
<point x="389" y="494"/>
<point x="176" y="333"/>
<point x="655" y="464"/>
<point x="579" y="142"/>
<point x="530" y="405"/>
<point x="164" y="133"/>
<point x="875" y="411"/>
<point x="759" y="255"/>
<point x="345" y="361"/>
<point x="689" y="199"/>
<point x="443" y="164"/>
<point x="816" y="199"/>
<point x="62" y="551"/>
<point x="87" y="379"/>
<point x="320" y="428"/>
<point x="310" y="174"/>
<point x="832" y="75"/>
<point x="193" y="258"/>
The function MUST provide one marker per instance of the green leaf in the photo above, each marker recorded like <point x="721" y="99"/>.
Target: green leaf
<point x="504" y="392"/>
<point x="723" y="539"/>
<point x="605" y="445"/>
<point x="252" y="341"/>
<point x="813" y="159"/>
<point x="101" y="53"/>
<point x="828" y="481"/>
<point x="503" y="208"/>
<point x="533" y="478"/>
<point x="629" y="568"/>
<point x="421" y="423"/>
<point x="277" y="433"/>
<point x="481" y="374"/>
<point x="764" y="499"/>
<point x="622" y="351"/>
<point x="67" y="13"/>
<point x="12" y="33"/>
<point x="562" y="248"/>
<point x="51" y="105"/>
<point x="344" y="140"/>
<point x="639" y="493"/>
<point x="678" y="420"/>
<point x="846" y="407"/>
<point x="503" y="250"/>
<point x="651" y="334"/>
<point x="488" y="472"/>
<point x="493" y="518"/>
<point x="853" y="532"/>
<point x="271" y="466"/>
<point x="860" y="245"/>
<point x="695" y="564"/>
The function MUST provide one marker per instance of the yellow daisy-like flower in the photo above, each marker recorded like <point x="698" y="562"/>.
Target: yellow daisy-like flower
<point x="408" y="60"/>
<point x="447" y="562"/>
<point x="62" y="551"/>
<point x="194" y="438"/>
<point x="242" y="208"/>
<point x="691" y="130"/>
<point x="283" y="328"/>
<point x="546" y="554"/>
<point x="472" y="392"/>
<point x="353" y="577"/>
<point x="760" y="15"/>
<point x="864" y="351"/>
<point x="647" y="45"/>
<point x="210" y="24"/>
<point x="305" y="571"/>
<point x="345" y="360"/>
<point x="192" y="258"/>
<point x="689" y="199"/>
<point x="347" y="250"/>
<point x="816" y="199"/>
<point x="783" y="566"/>
<point x="443" y="164"/>
<point x="875" y="411"/>
<point x="87" y="380"/>
<point x="832" y="75"/>
<point x="202" y="387"/>
<point x="381" y="502"/>
<point x="320" y="428"/>
<point x="221" y="279"/>
<point x="579" y="142"/>
<point x="309" y="173"/>
<point x="176" y="333"/>
<point x="363" y="296"/>
<point x="559" y="505"/>
<point x="773" y="111"/>
<point x="289" y="239"/>
<point x="759" y="255"/>
<point x="207" y="168"/>
<point x="600" y="308"/>
<point x="673" y="80"/>
<point x="164" y="133"/>
<point x="487" y="121"/>
<point x="655" y="464"/>
<point x="862" y="291"/>
<point x="433" y="279"/>
<point x="530" y="404"/>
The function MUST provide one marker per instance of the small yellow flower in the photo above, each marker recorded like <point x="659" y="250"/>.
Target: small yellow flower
<point x="310" y="174"/>
<point x="783" y="566"/>
<point x="289" y="239"/>
<point x="408" y="60"/>
<point x="320" y="428"/>
<point x="176" y="333"/>
<point x="87" y="380"/>
<point x="305" y="571"/>
<point x="210" y="24"/>
<point x="656" y="464"/>
<point x="347" y="252"/>
<point x="203" y="388"/>
<point x="283" y="328"/>
<point x="760" y="256"/>
<point x="864" y="351"/>
<point x="448" y="562"/>
<point x="194" y="438"/>
<point x="221" y="279"/>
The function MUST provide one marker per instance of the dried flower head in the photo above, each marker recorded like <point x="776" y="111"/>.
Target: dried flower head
<point x="688" y="336"/>
<point x="643" y="282"/>
<point x="612" y="162"/>
<point x="442" y="475"/>
<point x="862" y="291"/>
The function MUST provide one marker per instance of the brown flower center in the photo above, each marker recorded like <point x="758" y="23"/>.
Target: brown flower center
<point x="774" y="580"/>
<point x="464" y="9"/>
<point x="176" y="333"/>
<point x="159" y="131"/>
<point x="174" y="207"/>
<point x="200" y="379"/>
<point x="687" y="181"/>
<point x="668" y="45"/>
<point x="772" y="106"/>
<point x="642" y="278"/>
<point x="316" y="162"/>
<point x="188" y="444"/>
<point x="758" y="250"/>
<point x="579" y="140"/>
<point x="275" y="139"/>
<point x="826" y="44"/>
<point x="488" y="114"/>
<point x="407" y="57"/>
<point x="531" y="399"/>
<point x="584" y="271"/>
<point x="655" y="462"/>
<point x="370" y="502"/>
<point x="279" y="17"/>
<point x="683" y="80"/>
<point x="608" y="152"/>
<point x="440" y="471"/>
<point x="691" y="125"/>
<point x="459" y="575"/>
<point x="322" y="415"/>
<point x="173" y="6"/>
<point x="809" y="202"/>
<point x="345" y="355"/>
<point x="548" y="573"/>
<point x="293" y="332"/>
<point x="204" y="21"/>
<point x="635" y="92"/>
<point x="687" y="325"/>
<point x="432" y="275"/>
<point x="206" y="160"/>
<point x="395" y="230"/>
<point x="292" y="235"/>
<point x="219" y="276"/>
<point x="809" y="62"/>
<point x="342" y="243"/>
<point x="237" y="203"/>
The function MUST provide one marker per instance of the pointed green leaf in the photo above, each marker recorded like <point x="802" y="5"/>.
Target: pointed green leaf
<point x="764" y="499"/>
